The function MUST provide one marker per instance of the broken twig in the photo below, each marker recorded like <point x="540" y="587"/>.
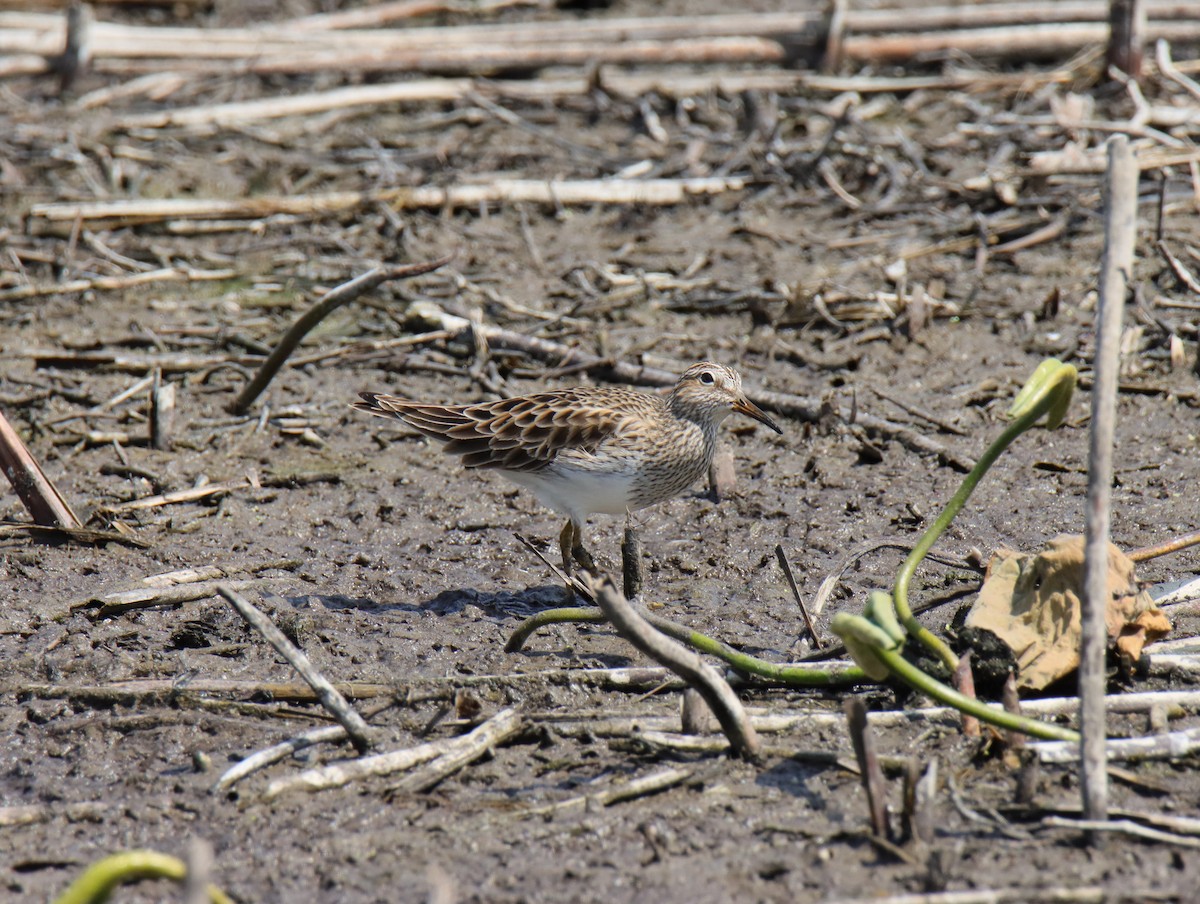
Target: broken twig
<point x="331" y="699"/>
<point x="685" y="663"/>
<point x="332" y="300"/>
<point x="37" y="491"/>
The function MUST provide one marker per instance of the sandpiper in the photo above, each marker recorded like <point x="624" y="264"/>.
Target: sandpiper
<point x="588" y="450"/>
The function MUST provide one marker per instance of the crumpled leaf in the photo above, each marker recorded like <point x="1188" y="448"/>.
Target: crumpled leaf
<point x="1148" y="627"/>
<point x="1032" y="603"/>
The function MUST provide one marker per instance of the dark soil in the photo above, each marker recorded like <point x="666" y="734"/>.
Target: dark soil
<point x="391" y="565"/>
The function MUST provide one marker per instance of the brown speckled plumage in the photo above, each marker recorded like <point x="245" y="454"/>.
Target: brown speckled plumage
<point x="588" y="450"/>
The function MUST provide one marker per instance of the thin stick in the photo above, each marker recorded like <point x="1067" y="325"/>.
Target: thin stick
<point x="1124" y="827"/>
<point x="1175" y="745"/>
<point x="829" y="584"/>
<point x="135" y="363"/>
<point x="331" y="699"/>
<point x="1010" y="41"/>
<point x="78" y="534"/>
<point x="688" y="665"/>
<point x="332" y="300"/>
<point x="107" y="283"/>
<point x="550" y="192"/>
<point x="148" y="597"/>
<point x="37" y="491"/>
<point x="277" y="752"/>
<point x="638" y="787"/>
<point x="1168" y="69"/>
<point x="500" y="726"/>
<point x="461" y="752"/>
<point x="921" y="413"/>
<point x="1120" y="230"/>
<point x="1167" y="546"/>
<point x="335" y="775"/>
<point x="569" y="581"/>
<point x="868" y="766"/>
<point x="791" y="580"/>
<point x="371" y="16"/>
<point x="1088" y="894"/>
<point x="175" y="497"/>
<point x="147" y="691"/>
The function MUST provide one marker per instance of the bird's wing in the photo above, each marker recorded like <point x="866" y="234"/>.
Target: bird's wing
<point x="519" y="434"/>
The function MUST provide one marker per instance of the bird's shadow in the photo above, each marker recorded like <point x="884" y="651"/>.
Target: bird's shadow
<point x="336" y="602"/>
<point x="454" y="601"/>
<point x="521" y="604"/>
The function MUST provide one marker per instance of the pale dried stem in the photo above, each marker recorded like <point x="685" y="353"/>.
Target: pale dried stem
<point x="1120" y="230"/>
<point x="458" y="750"/>
<point x="533" y="191"/>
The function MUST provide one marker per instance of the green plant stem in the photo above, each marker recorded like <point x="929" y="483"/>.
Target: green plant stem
<point x="98" y="880"/>
<point x="957" y="501"/>
<point x="926" y="684"/>
<point x="527" y="628"/>
<point x="795" y="675"/>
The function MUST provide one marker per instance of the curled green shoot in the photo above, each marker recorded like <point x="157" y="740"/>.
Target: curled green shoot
<point x="794" y="675"/>
<point x="101" y="878"/>
<point x="1047" y="392"/>
<point x="878" y="651"/>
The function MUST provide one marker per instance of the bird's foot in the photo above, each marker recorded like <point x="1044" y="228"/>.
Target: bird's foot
<point x="585" y="560"/>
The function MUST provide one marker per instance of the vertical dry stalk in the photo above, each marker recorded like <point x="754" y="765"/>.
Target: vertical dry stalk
<point x="1120" y="230"/>
<point x="77" y="52"/>
<point x="868" y="766"/>
<point x="920" y="791"/>
<point x="162" y="413"/>
<point x="835" y="32"/>
<point x="1126" y="36"/>
<point x="1012" y="704"/>
<point x="200" y="857"/>
<point x="964" y="683"/>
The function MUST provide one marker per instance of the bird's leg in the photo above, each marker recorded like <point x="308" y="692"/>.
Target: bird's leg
<point x="581" y="555"/>
<point x="631" y="560"/>
<point x="566" y="543"/>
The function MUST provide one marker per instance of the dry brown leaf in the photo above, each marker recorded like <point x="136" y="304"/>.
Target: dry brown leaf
<point x="1148" y="627"/>
<point x="1032" y="603"/>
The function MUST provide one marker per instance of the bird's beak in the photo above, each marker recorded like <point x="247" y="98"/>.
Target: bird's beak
<point x="748" y="408"/>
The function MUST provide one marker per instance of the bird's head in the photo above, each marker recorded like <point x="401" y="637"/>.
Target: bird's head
<point x="710" y="392"/>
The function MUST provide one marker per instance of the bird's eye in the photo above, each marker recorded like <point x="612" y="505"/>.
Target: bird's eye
<point x="707" y="378"/>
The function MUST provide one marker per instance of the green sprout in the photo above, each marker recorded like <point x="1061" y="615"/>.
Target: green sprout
<point x="1047" y="392"/>
<point x="101" y="878"/>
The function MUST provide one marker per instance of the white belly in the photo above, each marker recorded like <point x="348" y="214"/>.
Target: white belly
<point x="582" y="493"/>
